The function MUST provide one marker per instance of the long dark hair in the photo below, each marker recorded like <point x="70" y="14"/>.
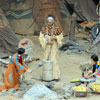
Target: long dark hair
<point x="21" y="50"/>
<point x="94" y="58"/>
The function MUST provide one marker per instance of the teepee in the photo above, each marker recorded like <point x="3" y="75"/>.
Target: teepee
<point x="8" y="39"/>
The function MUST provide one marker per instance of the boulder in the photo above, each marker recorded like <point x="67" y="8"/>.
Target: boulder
<point x="40" y="92"/>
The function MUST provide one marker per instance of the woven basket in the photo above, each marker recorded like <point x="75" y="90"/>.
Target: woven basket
<point x="80" y="94"/>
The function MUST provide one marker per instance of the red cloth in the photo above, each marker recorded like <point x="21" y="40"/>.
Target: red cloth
<point x="20" y="59"/>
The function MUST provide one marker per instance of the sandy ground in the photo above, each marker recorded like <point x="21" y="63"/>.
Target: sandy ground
<point x="69" y="67"/>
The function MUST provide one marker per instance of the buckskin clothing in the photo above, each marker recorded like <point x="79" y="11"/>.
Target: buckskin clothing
<point x="14" y="70"/>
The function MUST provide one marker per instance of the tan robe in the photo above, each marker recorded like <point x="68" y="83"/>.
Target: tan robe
<point x="54" y="51"/>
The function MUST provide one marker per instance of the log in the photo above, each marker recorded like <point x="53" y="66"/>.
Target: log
<point x="79" y="14"/>
<point x="72" y="29"/>
<point x="4" y="61"/>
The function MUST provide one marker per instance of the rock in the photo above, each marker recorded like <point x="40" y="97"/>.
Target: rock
<point x="72" y="47"/>
<point x="40" y="64"/>
<point x="61" y="97"/>
<point x="4" y="91"/>
<point x="67" y="44"/>
<point x="3" y="94"/>
<point x="76" y="47"/>
<point x="50" y="85"/>
<point x="22" y="87"/>
<point x="30" y="82"/>
<point x="21" y="78"/>
<point x="12" y="90"/>
<point x="68" y="86"/>
<point x="38" y="92"/>
<point x="49" y="97"/>
<point x="75" y="51"/>
<point x="68" y="51"/>
<point x="66" y="95"/>
<point x="18" y="94"/>
<point x="71" y="43"/>
<point x="92" y="52"/>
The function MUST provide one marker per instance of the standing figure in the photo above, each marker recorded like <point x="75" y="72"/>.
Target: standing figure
<point x="51" y="39"/>
<point x="16" y="67"/>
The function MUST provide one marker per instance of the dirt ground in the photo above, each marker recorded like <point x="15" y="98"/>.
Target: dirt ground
<point x="68" y="63"/>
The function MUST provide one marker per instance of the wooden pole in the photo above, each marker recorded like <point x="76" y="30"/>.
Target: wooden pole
<point x="72" y="29"/>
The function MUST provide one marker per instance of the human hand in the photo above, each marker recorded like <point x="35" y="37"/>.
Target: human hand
<point x="49" y="43"/>
<point x="53" y="38"/>
<point x="26" y="63"/>
<point x="87" y="76"/>
<point x="29" y="71"/>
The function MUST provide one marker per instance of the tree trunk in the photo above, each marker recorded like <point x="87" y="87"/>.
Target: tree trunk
<point x="72" y="29"/>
